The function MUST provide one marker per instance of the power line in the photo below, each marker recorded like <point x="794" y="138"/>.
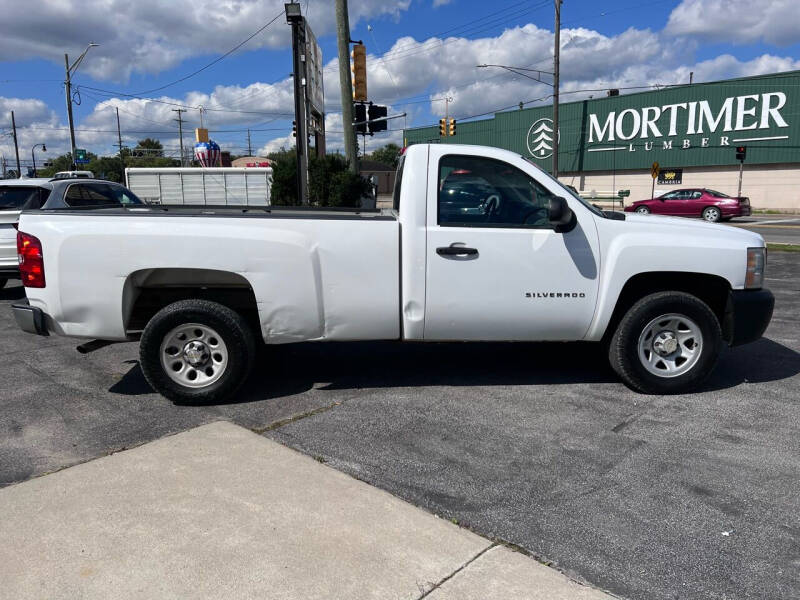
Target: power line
<point x="216" y="60"/>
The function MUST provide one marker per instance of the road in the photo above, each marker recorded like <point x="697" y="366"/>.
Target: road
<point x="650" y="497"/>
<point x="775" y="229"/>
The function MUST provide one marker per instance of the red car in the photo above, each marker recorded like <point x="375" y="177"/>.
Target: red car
<point x="709" y="205"/>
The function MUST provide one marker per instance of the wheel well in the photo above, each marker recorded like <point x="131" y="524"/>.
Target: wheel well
<point x="711" y="289"/>
<point x="149" y="290"/>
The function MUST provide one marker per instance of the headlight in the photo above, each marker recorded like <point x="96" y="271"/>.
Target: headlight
<point x="756" y="262"/>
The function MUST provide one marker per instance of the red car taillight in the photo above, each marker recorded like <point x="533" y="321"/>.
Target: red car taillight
<point x="31" y="261"/>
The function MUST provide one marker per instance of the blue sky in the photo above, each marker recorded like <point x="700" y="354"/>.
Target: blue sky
<point x="419" y="50"/>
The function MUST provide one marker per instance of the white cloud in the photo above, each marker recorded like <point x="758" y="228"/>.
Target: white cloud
<point x="412" y="76"/>
<point x="151" y="36"/>
<point x="738" y="21"/>
<point x="438" y="3"/>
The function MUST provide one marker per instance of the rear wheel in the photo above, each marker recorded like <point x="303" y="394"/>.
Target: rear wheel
<point x="642" y="210"/>
<point x="196" y="351"/>
<point x="711" y="214"/>
<point x="666" y="343"/>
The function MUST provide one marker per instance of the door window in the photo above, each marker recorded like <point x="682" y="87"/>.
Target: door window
<point x="483" y="192"/>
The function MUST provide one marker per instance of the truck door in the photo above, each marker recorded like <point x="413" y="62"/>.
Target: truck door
<point x="496" y="268"/>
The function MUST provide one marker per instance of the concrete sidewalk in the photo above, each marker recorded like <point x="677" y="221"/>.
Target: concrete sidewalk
<point x="219" y="511"/>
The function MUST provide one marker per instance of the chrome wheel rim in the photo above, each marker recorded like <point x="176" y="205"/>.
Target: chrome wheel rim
<point x="670" y="345"/>
<point x="194" y="355"/>
<point x="711" y="215"/>
<point x="642" y="211"/>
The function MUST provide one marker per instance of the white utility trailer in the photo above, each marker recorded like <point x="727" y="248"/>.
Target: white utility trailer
<point x="230" y="186"/>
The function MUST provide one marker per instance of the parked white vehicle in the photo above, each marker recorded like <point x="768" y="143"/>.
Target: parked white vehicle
<point x="16" y="195"/>
<point x="223" y="186"/>
<point x="481" y="245"/>
<point x="74" y="175"/>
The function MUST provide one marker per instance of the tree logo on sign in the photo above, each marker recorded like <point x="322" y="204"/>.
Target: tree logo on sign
<point x="540" y="138"/>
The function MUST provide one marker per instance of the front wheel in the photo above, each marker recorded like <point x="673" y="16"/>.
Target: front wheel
<point x="711" y="214"/>
<point x="642" y="210"/>
<point x="666" y="343"/>
<point x="196" y="351"/>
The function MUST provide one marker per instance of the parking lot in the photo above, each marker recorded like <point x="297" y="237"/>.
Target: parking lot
<point x="537" y="445"/>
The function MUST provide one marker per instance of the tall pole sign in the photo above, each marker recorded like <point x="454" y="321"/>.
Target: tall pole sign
<point x="296" y="20"/>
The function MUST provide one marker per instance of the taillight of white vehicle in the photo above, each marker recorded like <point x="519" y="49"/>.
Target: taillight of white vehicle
<point x="31" y="260"/>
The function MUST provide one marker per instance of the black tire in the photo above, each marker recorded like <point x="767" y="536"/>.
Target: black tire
<point x="642" y="210"/>
<point x="230" y="326"/>
<point x="711" y="214"/>
<point x="623" y="352"/>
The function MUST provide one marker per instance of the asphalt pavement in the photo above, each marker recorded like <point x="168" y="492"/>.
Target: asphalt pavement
<point x="775" y="229"/>
<point x="536" y="445"/>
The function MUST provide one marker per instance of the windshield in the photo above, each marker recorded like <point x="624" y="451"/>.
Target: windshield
<point x="16" y="197"/>
<point x="569" y="192"/>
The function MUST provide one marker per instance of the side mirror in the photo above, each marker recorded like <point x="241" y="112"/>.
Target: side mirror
<point x="561" y="215"/>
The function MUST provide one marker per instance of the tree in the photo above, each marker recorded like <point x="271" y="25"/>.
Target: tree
<point x="388" y="155"/>
<point x="107" y="167"/>
<point x="284" y="177"/>
<point x="148" y="147"/>
<point x="62" y="163"/>
<point x="330" y="183"/>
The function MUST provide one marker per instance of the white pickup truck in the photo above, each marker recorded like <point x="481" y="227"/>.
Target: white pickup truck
<point x="481" y="245"/>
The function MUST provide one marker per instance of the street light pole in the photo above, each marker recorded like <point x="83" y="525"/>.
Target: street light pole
<point x="33" y="156"/>
<point x="70" y="69"/>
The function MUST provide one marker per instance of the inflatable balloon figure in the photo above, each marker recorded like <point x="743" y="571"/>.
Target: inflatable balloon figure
<point x="208" y="153"/>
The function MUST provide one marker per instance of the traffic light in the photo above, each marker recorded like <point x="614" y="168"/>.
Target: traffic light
<point x="452" y="127"/>
<point x="361" y="118"/>
<point x="294" y="128"/>
<point x="442" y="128"/>
<point x="377" y="112"/>
<point x="741" y="152"/>
<point x="359" y="73"/>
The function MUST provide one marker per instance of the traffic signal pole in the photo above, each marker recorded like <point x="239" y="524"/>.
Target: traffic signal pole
<point x="741" y="168"/>
<point x="345" y="83"/>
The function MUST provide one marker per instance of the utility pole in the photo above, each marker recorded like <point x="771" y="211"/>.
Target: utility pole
<point x="345" y="83"/>
<point x="68" y="90"/>
<point x="16" y="147"/>
<point x="556" y="61"/>
<point x="119" y="141"/>
<point x="180" y="129"/>
<point x="447" y="102"/>
<point x="249" y="146"/>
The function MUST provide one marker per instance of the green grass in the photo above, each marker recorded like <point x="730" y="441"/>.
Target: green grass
<point x="783" y="247"/>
